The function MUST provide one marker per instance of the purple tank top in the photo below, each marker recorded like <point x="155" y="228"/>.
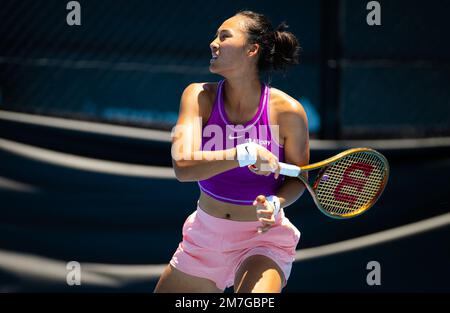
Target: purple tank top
<point x="240" y="185"/>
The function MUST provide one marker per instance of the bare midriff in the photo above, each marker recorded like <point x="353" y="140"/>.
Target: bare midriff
<point x="226" y="210"/>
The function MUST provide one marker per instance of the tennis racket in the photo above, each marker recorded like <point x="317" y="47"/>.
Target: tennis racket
<point x="348" y="184"/>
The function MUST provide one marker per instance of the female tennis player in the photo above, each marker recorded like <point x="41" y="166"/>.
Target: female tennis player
<point x="233" y="135"/>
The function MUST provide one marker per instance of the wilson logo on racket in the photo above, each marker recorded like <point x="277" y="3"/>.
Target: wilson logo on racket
<point x="348" y="183"/>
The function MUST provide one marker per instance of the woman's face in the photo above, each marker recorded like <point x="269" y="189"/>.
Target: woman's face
<point x="229" y="49"/>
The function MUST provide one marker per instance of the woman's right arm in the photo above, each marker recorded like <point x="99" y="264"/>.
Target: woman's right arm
<point x="189" y="161"/>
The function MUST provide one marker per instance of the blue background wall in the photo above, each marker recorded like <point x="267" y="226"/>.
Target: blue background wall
<point x="129" y="62"/>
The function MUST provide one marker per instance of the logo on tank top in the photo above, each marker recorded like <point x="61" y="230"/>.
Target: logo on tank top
<point x="214" y="138"/>
<point x="234" y="137"/>
<point x="237" y="134"/>
<point x="262" y="142"/>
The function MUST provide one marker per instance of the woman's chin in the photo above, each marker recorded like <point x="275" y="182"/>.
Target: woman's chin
<point x="213" y="69"/>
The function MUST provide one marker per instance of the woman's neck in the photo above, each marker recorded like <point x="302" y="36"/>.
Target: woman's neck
<point x="242" y="94"/>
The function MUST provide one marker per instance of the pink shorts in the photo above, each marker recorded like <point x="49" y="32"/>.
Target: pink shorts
<point x="214" y="248"/>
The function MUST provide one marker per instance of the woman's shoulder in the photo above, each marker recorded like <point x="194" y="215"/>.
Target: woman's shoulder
<point x="203" y="91"/>
<point x="202" y="95"/>
<point x="284" y="106"/>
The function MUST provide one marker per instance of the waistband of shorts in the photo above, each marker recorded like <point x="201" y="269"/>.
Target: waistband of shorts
<point x="229" y="225"/>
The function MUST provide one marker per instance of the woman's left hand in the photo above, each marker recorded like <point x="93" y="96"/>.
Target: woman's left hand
<point x="266" y="164"/>
<point x="264" y="213"/>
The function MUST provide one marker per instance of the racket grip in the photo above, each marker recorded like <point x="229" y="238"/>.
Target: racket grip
<point x="289" y="169"/>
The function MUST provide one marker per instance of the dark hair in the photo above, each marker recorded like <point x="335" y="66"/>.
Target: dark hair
<point x="280" y="49"/>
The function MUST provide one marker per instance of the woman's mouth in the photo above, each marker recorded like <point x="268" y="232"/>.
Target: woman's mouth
<point x="213" y="59"/>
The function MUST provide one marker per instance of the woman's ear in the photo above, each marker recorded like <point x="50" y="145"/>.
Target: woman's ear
<point x="253" y="49"/>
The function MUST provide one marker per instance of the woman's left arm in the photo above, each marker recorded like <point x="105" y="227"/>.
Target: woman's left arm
<point x="294" y="128"/>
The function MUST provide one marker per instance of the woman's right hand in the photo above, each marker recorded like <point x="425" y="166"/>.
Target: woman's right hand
<point x="266" y="163"/>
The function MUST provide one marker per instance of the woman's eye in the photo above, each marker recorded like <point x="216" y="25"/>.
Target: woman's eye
<point x="221" y="37"/>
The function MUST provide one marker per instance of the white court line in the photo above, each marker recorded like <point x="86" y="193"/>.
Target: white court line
<point x="46" y="270"/>
<point x="88" y="127"/>
<point x="9" y="184"/>
<point x="374" y="239"/>
<point x="86" y="164"/>
<point x="43" y="269"/>
<point x="165" y="136"/>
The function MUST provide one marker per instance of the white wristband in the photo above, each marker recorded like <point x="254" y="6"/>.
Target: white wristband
<point x="246" y="154"/>
<point x="276" y="204"/>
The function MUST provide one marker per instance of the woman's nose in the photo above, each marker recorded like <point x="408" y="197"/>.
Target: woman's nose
<point x="213" y="45"/>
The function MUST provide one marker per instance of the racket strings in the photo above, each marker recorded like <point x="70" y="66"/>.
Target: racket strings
<point x="342" y="194"/>
<point x="349" y="190"/>
<point x="351" y="184"/>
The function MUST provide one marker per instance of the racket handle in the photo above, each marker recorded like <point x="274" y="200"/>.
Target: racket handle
<point x="289" y="169"/>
